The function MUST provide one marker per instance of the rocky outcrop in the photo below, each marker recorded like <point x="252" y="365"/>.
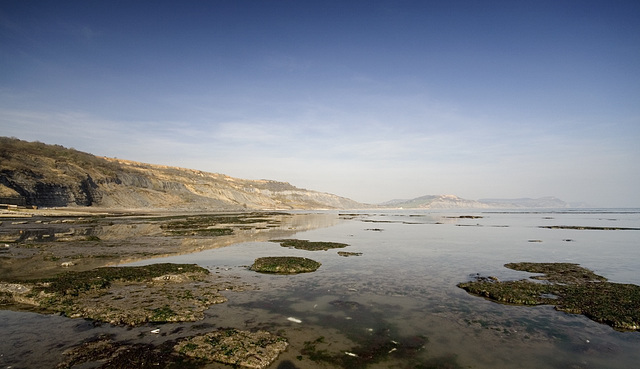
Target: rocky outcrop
<point x="36" y="174"/>
<point x="29" y="190"/>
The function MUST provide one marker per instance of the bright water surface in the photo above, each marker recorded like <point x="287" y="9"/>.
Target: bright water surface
<point x="403" y="289"/>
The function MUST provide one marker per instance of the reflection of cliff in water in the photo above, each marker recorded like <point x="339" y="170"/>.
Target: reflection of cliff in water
<point x="272" y="224"/>
<point x="123" y="229"/>
<point x="127" y="230"/>
<point x="286" y="226"/>
<point x="47" y="246"/>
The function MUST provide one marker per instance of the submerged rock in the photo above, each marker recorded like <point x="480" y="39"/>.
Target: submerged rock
<point x="346" y="305"/>
<point x="103" y="352"/>
<point x="285" y="265"/>
<point x="256" y="350"/>
<point x="570" y="288"/>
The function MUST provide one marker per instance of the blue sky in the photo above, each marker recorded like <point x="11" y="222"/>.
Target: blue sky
<point x="372" y="100"/>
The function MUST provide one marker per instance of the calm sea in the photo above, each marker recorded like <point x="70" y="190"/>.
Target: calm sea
<point x="400" y="295"/>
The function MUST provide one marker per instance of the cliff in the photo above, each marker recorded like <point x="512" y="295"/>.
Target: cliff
<point x="37" y="174"/>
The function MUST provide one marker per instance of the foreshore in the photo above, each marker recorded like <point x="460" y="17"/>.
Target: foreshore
<point x="53" y="261"/>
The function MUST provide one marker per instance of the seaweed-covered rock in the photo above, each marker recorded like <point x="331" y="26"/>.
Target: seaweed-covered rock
<point x="230" y="346"/>
<point x="285" y="265"/>
<point x="310" y="245"/>
<point x="510" y="292"/>
<point x="123" y="295"/>
<point x="347" y="253"/>
<point x="568" y="273"/>
<point x="571" y="288"/>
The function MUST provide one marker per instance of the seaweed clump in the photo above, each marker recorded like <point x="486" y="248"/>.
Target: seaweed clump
<point x="310" y="245"/>
<point x="570" y="288"/>
<point x="285" y="265"/>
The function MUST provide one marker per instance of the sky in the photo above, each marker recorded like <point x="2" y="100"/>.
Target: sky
<point x="371" y="100"/>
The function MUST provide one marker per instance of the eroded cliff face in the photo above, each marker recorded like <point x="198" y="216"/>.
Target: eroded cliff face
<point x="35" y="174"/>
<point x="27" y="189"/>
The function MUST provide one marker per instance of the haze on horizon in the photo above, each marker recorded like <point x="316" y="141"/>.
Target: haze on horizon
<point x="371" y="100"/>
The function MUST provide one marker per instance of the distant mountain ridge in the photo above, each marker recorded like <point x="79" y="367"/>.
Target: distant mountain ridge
<point x="455" y="202"/>
<point x="37" y="174"/>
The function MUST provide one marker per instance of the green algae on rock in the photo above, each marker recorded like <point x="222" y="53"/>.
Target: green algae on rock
<point x="347" y="254"/>
<point x="123" y="295"/>
<point x="570" y="288"/>
<point x="567" y="273"/>
<point x="285" y="265"/>
<point x="310" y="245"/>
<point x="72" y="283"/>
<point x="256" y="350"/>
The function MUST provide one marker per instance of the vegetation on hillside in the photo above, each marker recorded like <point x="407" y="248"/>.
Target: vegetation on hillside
<point x="50" y="162"/>
<point x="38" y="174"/>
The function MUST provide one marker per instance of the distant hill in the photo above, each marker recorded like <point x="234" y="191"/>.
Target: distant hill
<point x="455" y="202"/>
<point x="434" y="202"/>
<point x="542" y="202"/>
<point x="34" y="173"/>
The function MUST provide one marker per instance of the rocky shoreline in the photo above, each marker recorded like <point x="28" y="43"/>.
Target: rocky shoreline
<point x="65" y="262"/>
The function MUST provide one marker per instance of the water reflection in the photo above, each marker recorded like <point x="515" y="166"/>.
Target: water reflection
<point x="404" y="285"/>
<point x="401" y="293"/>
<point x="41" y="246"/>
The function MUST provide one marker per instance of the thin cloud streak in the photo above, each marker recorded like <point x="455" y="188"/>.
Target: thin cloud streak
<point x="311" y="156"/>
<point x="357" y="100"/>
